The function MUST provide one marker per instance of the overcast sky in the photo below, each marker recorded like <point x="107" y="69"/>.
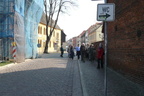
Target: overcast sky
<point x="80" y="18"/>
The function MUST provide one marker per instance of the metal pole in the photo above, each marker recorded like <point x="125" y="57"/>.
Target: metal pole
<point x="105" y="57"/>
<point x="105" y="80"/>
<point x="105" y="75"/>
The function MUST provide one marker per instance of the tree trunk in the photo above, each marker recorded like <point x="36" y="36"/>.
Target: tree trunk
<point x="52" y="10"/>
<point x="47" y="40"/>
<point x="46" y="45"/>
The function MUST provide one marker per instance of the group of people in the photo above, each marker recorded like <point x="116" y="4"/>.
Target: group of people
<point x="88" y="52"/>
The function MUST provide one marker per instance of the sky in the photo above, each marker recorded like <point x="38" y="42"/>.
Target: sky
<point x="80" y="18"/>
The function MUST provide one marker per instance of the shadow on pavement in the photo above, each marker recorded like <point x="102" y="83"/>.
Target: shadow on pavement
<point x="117" y="85"/>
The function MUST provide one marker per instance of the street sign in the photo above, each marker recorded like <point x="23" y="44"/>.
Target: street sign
<point x="106" y="12"/>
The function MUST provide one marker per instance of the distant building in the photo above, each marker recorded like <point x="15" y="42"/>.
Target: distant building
<point x="83" y="38"/>
<point x="63" y="37"/>
<point x="74" y="41"/>
<point x="95" y="34"/>
<point x="78" y="40"/>
<point x="57" y="38"/>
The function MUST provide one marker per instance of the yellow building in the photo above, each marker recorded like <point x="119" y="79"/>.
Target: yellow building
<point x="95" y="33"/>
<point x="55" y="41"/>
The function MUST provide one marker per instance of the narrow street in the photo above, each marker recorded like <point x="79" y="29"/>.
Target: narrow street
<point x="104" y="38"/>
<point x="46" y="76"/>
<point x="52" y="75"/>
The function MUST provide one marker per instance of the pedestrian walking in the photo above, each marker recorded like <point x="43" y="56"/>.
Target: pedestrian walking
<point x="68" y="50"/>
<point x="87" y="51"/>
<point x="62" y="51"/>
<point x="91" y="52"/>
<point x="78" y="51"/>
<point x="100" y="53"/>
<point x="82" y="50"/>
<point x="71" y="52"/>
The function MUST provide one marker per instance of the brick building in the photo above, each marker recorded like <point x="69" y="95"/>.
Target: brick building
<point x="126" y="39"/>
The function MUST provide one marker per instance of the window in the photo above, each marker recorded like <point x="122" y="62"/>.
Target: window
<point x="38" y="29"/>
<point x="44" y="31"/>
<point x="38" y="41"/>
<point x="43" y="44"/>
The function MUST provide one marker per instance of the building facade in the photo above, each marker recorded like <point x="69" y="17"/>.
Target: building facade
<point x="83" y="38"/>
<point x="55" y="41"/>
<point x="63" y="37"/>
<point x="78" y="40"/>
<point x="95" y="33"/>
<point x="74" y="39"/>
<point x="19" y="21"/>
<point x="92" y="35"/>
<point x="126" y="40"/>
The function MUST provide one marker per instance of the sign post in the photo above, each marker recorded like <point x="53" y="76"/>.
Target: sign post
<point x="105" y="12"/>
<point x="14" y="51"/>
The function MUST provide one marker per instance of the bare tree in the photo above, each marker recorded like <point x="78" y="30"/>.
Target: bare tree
<point x="54" y="8"/>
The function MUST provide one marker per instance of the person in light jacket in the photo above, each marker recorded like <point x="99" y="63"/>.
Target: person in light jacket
<point x="78" y="51"/>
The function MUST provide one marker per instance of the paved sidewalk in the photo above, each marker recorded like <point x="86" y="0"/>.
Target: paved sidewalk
<point x="93" y="82"/>
<point x="49" y="75"/>
<point x="52" y="75"/>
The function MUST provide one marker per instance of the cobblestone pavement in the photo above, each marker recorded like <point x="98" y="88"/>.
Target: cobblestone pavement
<point x="49" y="75"/>
<point x="117" y="85"/>
<point x="52" y="75"/>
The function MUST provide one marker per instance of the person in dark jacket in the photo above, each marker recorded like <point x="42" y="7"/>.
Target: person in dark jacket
<point x="68" y="50"/>
<point x="82" y="50"/>
<point x="71" y="52"/>
<point x="91" y="51"/>
<point x="62" y="51"/>
<point x="87" y="51"/>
